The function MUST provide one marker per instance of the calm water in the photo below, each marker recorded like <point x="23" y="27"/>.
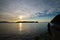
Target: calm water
<point x="23" y="28"/>
<point x="22" y="31"/>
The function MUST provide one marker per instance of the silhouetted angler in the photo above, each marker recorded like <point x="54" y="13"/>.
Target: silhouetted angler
<point x="49" y="28"/>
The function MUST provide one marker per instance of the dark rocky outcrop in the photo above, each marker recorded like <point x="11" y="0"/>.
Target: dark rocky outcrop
<point x="56" y="19"/>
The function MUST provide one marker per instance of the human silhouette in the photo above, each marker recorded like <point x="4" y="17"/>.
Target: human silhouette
<point x="49" y="30"/>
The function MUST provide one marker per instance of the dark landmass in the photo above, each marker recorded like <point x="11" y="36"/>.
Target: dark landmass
<point x="27" y="22"/>
<point x="19" y="22"/>
<point x="56" y="19"/>
<point x="4" y="22"/>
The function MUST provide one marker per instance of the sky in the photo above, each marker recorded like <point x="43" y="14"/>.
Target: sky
<point x="41" y="10"/>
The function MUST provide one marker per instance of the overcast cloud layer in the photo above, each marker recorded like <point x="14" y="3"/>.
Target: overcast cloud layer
<point x="11" y="9"/>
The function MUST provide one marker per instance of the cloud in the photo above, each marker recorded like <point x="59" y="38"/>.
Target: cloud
<point x="53" y="10"/>
<point x="11" y="9"/>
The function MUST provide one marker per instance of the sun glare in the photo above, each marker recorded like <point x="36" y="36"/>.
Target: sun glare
<point x="20" y="17"/>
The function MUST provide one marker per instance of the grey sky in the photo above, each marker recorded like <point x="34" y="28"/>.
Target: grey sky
<point x="10" y="9"/>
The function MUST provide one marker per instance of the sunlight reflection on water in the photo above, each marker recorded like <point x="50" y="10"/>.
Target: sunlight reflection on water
<point x="20" y="27"/>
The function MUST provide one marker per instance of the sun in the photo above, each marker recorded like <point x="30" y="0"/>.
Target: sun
<point x="20" y="17"/>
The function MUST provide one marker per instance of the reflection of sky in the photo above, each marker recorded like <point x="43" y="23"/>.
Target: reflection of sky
<point x="35" y="9"/>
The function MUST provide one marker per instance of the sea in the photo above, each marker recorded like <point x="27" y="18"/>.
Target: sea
<point x="22" y="31"/>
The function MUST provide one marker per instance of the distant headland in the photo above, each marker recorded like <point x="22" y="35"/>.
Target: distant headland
<point x="27" y="22"/>
<point x="19" y="22"/>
